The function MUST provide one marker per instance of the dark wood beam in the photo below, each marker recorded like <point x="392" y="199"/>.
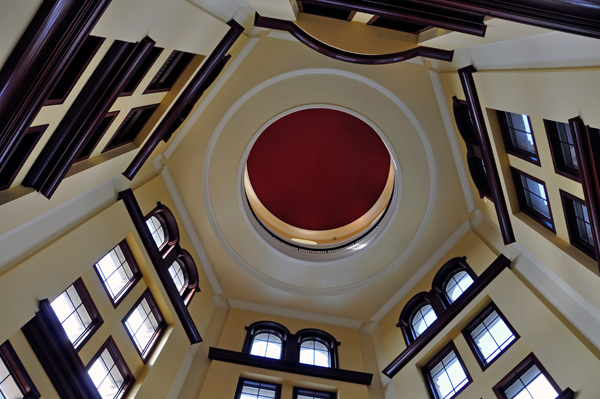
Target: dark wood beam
<point x="348" y="56"/>
<point x="50" y="42"/>
<point x="187" y="100"/>
<point x="588" y="156"/>
<point x="439" y="17"/>
<point x="447" y="316"/>
<point x="468" y="84"/>
<point x="287" y="366"/>
<point x="159" y="264"/>
<point x="86" y="114"/>
<point x="59" y="359"/>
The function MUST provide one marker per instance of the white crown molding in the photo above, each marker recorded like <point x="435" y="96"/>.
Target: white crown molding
<point x="456" y="153"/>
<point x="295" y="314"/>
<point x="191" y="231"/>
<point x="335" y="290"/>
<point x="464" y="228"/>
<point x="208" y="97"/>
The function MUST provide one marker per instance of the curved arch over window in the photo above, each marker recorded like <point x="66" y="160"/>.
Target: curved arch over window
<point x="453" y="279"/>
<point x="266" y="339"/>
<point x="190" y="272"/>
<point x="317" y="347"/>
<point x="478" y="174"/>
<point x="163" y="227"/>
<point x="418" y="314"/>
<point x="422" y="318"/>
<point x="463" y="120"/>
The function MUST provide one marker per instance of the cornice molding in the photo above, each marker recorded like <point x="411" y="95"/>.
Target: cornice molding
<point x="37" y="62"/>
<point x="348" y="56"/>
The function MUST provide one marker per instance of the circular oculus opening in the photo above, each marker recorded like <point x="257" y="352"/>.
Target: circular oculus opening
<point x="319" y="178"/>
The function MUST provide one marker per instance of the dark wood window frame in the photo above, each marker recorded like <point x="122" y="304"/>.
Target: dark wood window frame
<point x="185" y="260"/>
<point x="170" y="67"/>
<point x="18" y="158"/>
<point x="92" y="310"/>
<point x="170" y="228"/>
<point x="515" y="373"/>
<point x="475" y="323"/>
<point x="438" y="358"/>
<point x="267" y="326"/>
<point x="313" y="334"/>
<point x="242" y="382"/>
<point x="146" y="352"/>
<point x="570" y="217"/>
<point x="449" y="269"/>
<point x="136" y="277"/>
<point x="128" y="124"/>
<point x="557" y="159"/>
<point x="526" y="209"/>
<point x="17" y="371"/>
<point x="115" y="353"/>
<point x="141" y="72"/>
<point x="97" y="136"/>
<point x="534" y="158"/>
<point x="314" y="393"/>
<point x="75" y="69"/>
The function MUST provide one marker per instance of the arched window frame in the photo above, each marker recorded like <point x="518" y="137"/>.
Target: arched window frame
<point x="313" y="334"/>
<point x="415" y="303"/>
<point x="449" y="269"/>
<point x="191" y="273"/>
<point x="169" y="224"/>
<point x="261" y="326"/>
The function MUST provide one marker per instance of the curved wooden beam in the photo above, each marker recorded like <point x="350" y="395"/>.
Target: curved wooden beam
<point x="348" y="56"/>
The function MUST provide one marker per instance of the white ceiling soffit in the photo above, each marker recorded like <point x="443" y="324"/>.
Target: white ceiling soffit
<point x="225" y="10"/>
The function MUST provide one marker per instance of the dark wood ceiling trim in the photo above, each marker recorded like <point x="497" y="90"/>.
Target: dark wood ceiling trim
<point x="86" y="114"/>
<point x="416" y="13"/>
<point x="287" y="366"/>
<point x="39" y="59"/>
<point x="447" y="316"/>
<point x="468" y="84"/>
<point x="57" y="355"/>
<point x="587" y="156"/>
<point x="187" y="100"/>
<point x="161" y="267"/>
<point x="347" y="56"/>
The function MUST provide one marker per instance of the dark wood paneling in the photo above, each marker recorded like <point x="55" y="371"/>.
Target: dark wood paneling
<point x="447" y="316"/>
<point x="57" y="355"/>
<point x="468" y="84"/>
<point x="414" y="12"/>
<point x="187" y="100"/>
<point x="245" y="359"/>
<point x="16" y="161"/>
<point x="37" y="62"/>
<point x="86" y="114"/>
<point x="347" y="56"/>
<point x="587" y="158"/>
<point x="159" y="264"/>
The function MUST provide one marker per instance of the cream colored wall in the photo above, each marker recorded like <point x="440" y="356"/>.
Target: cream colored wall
<point x="554" y="94"/>
<point x="540" y="330"/>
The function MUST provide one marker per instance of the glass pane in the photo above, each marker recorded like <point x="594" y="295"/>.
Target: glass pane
<point x="422" y="319"/>
<point x="266" y="345"/>
<point x="457" y="284"/>
<point x="3" y="370"/>
<point x="9" y="389"/>
<point x="157" y="230"/>
<point x="448" y="376"/>
<point x="492" y="336"/>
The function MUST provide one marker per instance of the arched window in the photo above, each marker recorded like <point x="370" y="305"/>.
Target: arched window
<point x="266" y="339"/>
<point x="179" y="276"/>
<point x="422" y="318"/>
<point x="162" y="225"/>
<point x="318" y="348"/>
<point x="454" y="278"/>
<point x="184" y="273"/>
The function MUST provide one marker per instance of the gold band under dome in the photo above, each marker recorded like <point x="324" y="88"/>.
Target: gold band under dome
<point x="313" y="238"/>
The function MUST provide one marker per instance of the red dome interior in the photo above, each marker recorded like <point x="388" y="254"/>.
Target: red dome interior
<point x="318" y="169"/>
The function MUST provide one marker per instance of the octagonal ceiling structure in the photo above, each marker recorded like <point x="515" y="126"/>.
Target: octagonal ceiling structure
<point x="273" y="77"/>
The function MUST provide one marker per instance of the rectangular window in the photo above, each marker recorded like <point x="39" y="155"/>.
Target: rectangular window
<point x="302" y="393"/>
<point x="20" y="155"/>
<point x="15" y="383"/>
<point x="578" y="223"/>
<point x="118" y="272"/>
<point x="77" y="313"/>
<point x="251" y="389"/>
<point x="518" y="136"/>
<point x="169" y="72"/>
<point x="145" y="325"/>
<point x="533" y="198"/>
<point x="132" y="126"/>
<point x="109" y="372"/>
<point x="139" y="74"/>
<point x="489" y="334"/>
<point x="71" y="75"/>
<point x="529" y="380"/>
<point x="446" y="374"/>
<point x="562" y="147"/>
<point x="97" y="136"/>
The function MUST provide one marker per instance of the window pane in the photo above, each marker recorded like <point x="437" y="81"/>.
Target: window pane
<point x="176" y="273"/>
<point x="457" y="284"/>
<point x="142" y="326"/>
<point x="72" y="314"/>
<point x="535" y="196"/>
<point x="448" y="376"/>
<point x="315" y="353"/>
<point x="256" y="390"/>
<point x="106" y="376"/>
<point x="266" y="344"/>
<point x="157" y="230"/>
<point x="520" y="132"/>
<point x="492" y="336"/>
<point x="9" y="389"/>
<point x="114" y="272"/>
<point x="422" y="319"/>
<point x="532" y="384"/>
